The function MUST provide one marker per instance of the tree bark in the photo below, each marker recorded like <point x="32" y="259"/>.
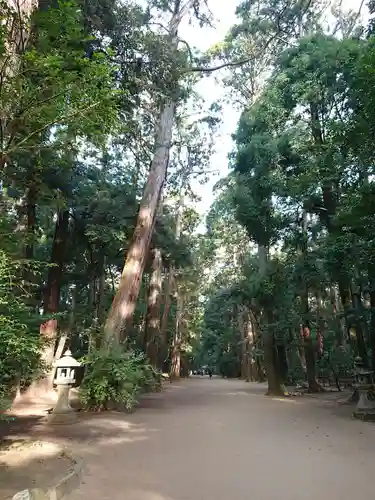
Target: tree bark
<point x="340" y="322"/>
<point x="358" y="307"/>
<point x="175" y="369"/>
<point x="270" y="354"/>
<point x="271" y="366"/>
<point x="123" y="305"/>
<point x="310" y="356"/>
<point x="101" y="290"/>
<point x="30" y="219"/>
<point x="176" y="341"/>
<point x="52" y="293"/>
<point x="247" y="340"/>
<point x="16" y="31"/>
<point x="371" y="274"/>
<point x="152" y="333"/>
<point x="163" y="351"/>
<point x="345" y="296"/>
<point x="242" y="328"/>
<point x="308" y="345"/>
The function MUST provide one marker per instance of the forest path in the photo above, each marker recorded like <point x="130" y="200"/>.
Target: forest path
<point x="219" y="439"/>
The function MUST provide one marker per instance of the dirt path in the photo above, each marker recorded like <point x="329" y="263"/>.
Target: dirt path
<point x="223" y="440"/>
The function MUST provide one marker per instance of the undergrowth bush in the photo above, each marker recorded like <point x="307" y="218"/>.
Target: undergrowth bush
<point x="116" y="376"/>
<point x="19" y="333"/>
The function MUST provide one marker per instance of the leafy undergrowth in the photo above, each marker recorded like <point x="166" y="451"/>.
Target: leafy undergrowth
<point x="20" y="342"/>
<point x="116" y="377"/>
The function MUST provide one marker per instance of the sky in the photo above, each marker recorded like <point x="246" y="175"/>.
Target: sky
<point x="203" y="39"/>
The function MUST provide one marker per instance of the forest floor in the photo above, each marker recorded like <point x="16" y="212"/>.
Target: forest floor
<point x="220" y="439"/>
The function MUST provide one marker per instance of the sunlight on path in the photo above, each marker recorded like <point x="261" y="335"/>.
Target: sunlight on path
<point x="224" y="440"/>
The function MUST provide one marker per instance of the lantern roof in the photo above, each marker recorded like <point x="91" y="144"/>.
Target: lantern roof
<point x="67" y="361"/>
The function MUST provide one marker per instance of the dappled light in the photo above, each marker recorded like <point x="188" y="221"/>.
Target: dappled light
<point x="26" y="462"/>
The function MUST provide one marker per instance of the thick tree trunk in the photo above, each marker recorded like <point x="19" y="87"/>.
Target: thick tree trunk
<point x="30" y="220"/>
<point x="123" y="305"/>
<point x="249" y="346"/>
<point x="257" y="368"/>
<point x="124" y="302"/>
<point x="101" y="290"/>
<point x="176" y="341"/>
<point x="163" y="351"/>
<point x="247" y="341"/>
<point x="340" y="322"/>
<point x="308" y="347"/>
<point x="358" y="307"/>
<point x="152" y="333"/>
<point x="270" y="354"/>
<point x="271" y="366"/>
<point x="242" y="329"/>
<point x="52" y="293"/>
<point x="29" y="224"/>
<point x="175" y="369"/>
<point x="310" y="356"/>
<point x="345" y="296"/>
<point x="371" y="274"/>
<point x="306" y="332"/>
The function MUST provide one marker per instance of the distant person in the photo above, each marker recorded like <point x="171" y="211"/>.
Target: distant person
<point x="209" y="372"/>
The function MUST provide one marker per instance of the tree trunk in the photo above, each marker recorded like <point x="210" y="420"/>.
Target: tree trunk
<point x="345" y="296"/>
<point x="123" y="305"/>
<point x="250" y="337"/>
<point x="163" y="352"/>
<point x="358" y="307"/>
<point x="244" y="348"/>
<point x="29" y="216"/>
<point x="306" y="331"/>
<point x="310" y="356"/>
<point x="15" y="27"/>
<point x="270" y="354"/>
<point x="340" y="322"/>
<point x="371" y="274"/>
<point x="176" y="341"/>
<point x="257" y="369"/>
<point x="308" y="347"/>
<point x="101" y="290"/>
<point x="52" y="293"/>
<point x="271" y="366"/>
<point x="152" y="333"/>
<point x="175" y="368"/>
<point x="247" y="341"/>
<point x="30" y="220"/>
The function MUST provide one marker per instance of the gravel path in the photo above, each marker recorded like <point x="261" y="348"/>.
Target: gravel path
<point x="224" y="440"/>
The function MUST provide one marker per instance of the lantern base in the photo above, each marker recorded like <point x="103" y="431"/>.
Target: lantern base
<point x="62" y="418"/>
<point x="365" y="409"/>
<point x="62" y="413"/>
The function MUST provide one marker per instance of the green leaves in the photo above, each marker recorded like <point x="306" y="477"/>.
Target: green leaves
<point x="116" y="377"/>
<point x="54" y="83"/>
<point x="20" y="343"/>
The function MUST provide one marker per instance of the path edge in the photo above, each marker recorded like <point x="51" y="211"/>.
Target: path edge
<point x="70" y="482"/>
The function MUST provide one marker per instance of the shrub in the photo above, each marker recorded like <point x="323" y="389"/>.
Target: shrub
<point x="116" y="376"/>
<point x="19" y="338"/>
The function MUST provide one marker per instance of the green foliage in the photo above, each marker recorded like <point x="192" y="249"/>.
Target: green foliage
<point x="53" y="83"/>
<point x="116" y="376"/>
<point x="20" y="343"/>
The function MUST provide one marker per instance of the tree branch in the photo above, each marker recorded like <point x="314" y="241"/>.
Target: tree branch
<point x="46" y="126"/>
<point x="233" y="64"/>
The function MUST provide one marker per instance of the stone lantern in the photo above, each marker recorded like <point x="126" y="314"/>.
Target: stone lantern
<point x="365" y="409"/>
<point x="65" y="378"/>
